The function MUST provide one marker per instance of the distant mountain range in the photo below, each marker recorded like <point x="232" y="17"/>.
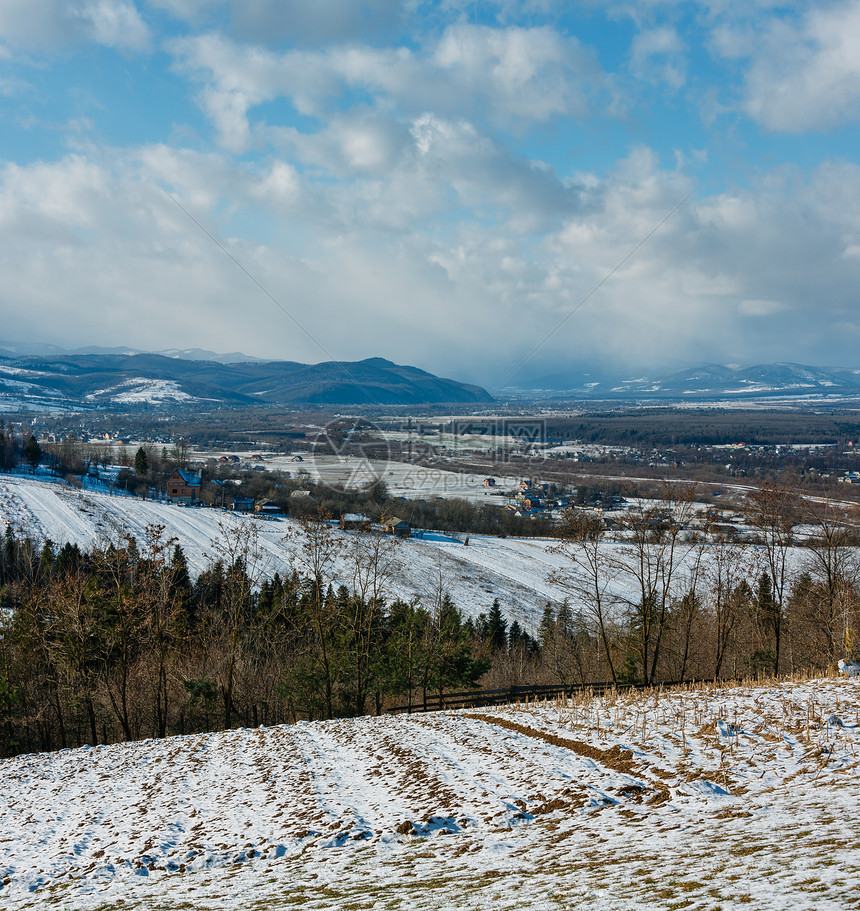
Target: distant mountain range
<point x="22" y="349"/>
<point x="120" y="381"/>
<point x="123" y="379"/>
<point x="715" y="382"/>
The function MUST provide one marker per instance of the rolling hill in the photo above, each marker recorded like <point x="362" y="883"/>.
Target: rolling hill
<point x="123" y="381"/>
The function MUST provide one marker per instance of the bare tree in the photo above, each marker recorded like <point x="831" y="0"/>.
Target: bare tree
<point x="833" y="565"/>
<point x="590" y="578"/>
<point x="315" y="550"/>
<point x="654" y="555"/>
<point x="115" y="563"/>
<point x="774" y="512"/>
<point x="372" y="555"/>
<point x="238" y="550"/>
<point x="158" y="611"/>
<point x="729" y="567"/>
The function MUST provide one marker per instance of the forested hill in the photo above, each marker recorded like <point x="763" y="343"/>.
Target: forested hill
<point x="115" y="380"/>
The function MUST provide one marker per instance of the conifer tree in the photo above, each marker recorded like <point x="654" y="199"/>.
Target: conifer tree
<point x="141" y="462"/>
<point x="32" y="452"/>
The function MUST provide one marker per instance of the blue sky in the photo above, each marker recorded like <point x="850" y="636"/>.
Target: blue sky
<point x="440" y="184"/>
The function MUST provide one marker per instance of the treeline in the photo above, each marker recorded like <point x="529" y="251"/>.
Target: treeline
<point x="658" y="604"/>
<point x="454" y="515"/>
<point x="661" y="427"/>
<point x="119" y="643"/>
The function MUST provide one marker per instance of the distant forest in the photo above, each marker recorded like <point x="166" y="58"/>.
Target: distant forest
<point x="662" y="427"/>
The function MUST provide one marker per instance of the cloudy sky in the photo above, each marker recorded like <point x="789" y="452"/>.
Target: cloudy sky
<point x="456" y="184"/>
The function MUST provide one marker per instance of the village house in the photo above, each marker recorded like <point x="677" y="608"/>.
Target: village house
<point x="533" y="503"/>
<point x="242" y="504"/>
<point x="397" y="527"/>
<point x="183" y="487"/>
<point x="356" y="521"/>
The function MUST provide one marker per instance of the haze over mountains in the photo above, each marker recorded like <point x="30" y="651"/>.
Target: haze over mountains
<point x="42" y="377"/>
<point x="710" y="382"/>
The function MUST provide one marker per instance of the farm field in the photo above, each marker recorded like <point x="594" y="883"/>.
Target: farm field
<point x="698" y="798"/>
<point x="403" y="479"/>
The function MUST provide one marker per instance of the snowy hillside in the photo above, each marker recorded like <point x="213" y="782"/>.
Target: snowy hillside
<point x="743" y="797"/>
<point x="514" y="570"/>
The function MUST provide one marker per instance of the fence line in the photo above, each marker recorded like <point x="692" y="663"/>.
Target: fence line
<point x="514" y="694"/>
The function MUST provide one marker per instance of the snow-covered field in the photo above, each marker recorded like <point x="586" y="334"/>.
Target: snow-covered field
<point x="514" y="570"/>
<point x="403" y="479"/>
<point x="709" y="798"/>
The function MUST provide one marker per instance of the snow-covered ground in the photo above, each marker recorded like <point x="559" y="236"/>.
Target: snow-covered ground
<point x="709" y="798"/>
<point x="513" y="570"/>
<point x="140" y="389"/>
<point x="403" y="479"/>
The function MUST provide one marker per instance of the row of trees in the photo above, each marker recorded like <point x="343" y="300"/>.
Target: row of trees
<point x="119" y="643"/>
<point x="70" y="457"/>
<point x="655" y="605"/>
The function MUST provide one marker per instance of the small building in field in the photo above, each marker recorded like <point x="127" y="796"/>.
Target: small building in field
<point x="355" y="521"/>
<point x="489" y="482"/>
<point x="183" y="487"/>
<point x="397" y="527"/>
<point x="268" y="508"/>
<point x="242" y="504"/>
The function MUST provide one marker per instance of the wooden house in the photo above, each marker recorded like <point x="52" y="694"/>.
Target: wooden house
<point x="355" y="521"/>
<point x="397" y="527"/>
<point x="183" y="487"/>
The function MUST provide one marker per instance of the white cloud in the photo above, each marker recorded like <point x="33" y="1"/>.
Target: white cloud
<point x="53" y="24"/>
<point x="805" y="75"/>
<point x="297" y="22"/>
<point x="657" y="55"/>
<point x="451" y="254"/>
<point x="508" y="76"/>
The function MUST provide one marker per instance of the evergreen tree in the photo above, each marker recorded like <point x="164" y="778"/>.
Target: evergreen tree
<point x="515" y="636"/>
<point x="46" y="561"/>
<point x="497" y="628"/>
<point x="141" y="462"/>
<point x="10" y="555"/>
<point x="181" y="589"/>
<point x="68" y="559"/>
<point x="32" y="452"/>
<point x="546" y="630"/>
